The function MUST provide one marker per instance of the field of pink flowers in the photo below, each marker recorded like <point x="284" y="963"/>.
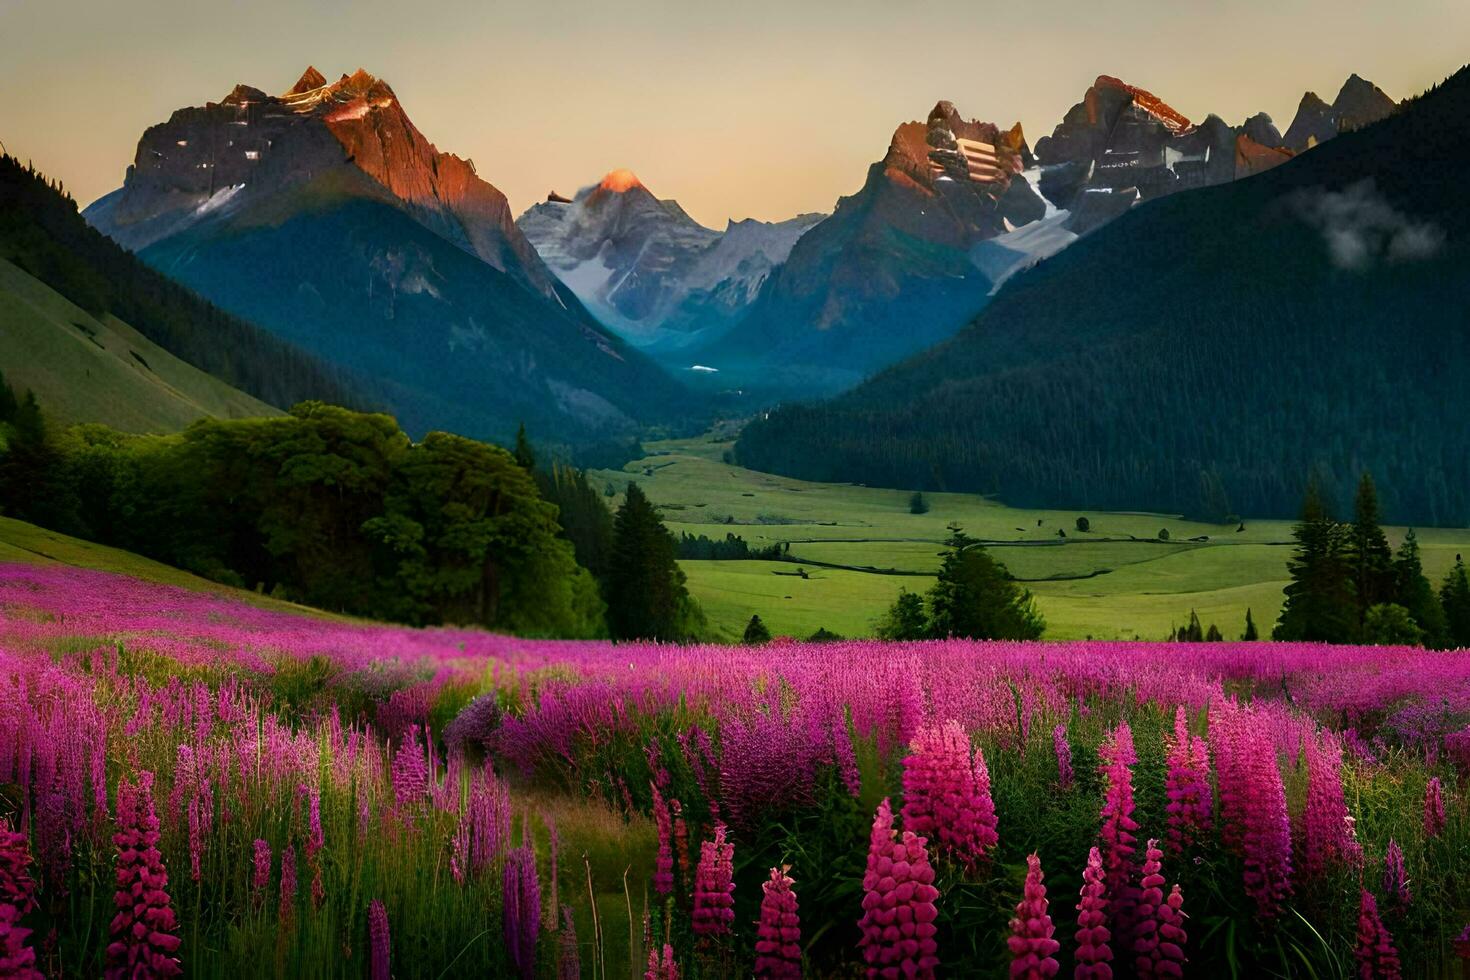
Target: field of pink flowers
<point x="193" y="785"/>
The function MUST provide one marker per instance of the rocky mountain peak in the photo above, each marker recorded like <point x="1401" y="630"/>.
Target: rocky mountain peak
<point x="310" y="79"/>
<point x="1173" y="120"/>
<point x="619" y="181"/>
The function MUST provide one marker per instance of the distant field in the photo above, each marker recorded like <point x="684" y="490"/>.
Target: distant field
<point x="1116" y="581"/>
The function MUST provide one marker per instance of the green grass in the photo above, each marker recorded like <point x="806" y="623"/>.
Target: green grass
<point x="86" y="369"/>
<point x="1115" y="581"/>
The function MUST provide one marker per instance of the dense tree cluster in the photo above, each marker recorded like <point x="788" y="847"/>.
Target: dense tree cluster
<point x="1347" y="586"/>
<point x="974" y="597"/>
<point x="41" y="231"/>
<point x="731" y="548"/>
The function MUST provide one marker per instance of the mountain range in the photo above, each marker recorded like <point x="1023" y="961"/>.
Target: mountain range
<point x="371" y="248"/>
<point x="827" y="300"/>
<point x="1206" y="353"/>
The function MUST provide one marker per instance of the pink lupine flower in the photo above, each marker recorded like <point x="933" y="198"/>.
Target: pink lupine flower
<point x="1093" y="953"/>
<point x="661" y="969"/>
<point x="143" y="941"/>
<point x="1461" y="943"/>
<point x="1434" y="821"/>
<point x="262" y="868"/>
<point x="1033" y="950"/>
<point x="1377" y="958"/>
<point x="1395" y="878"/>
<point x="17" y="887"/>
<point x="663" y="867"/>
<point x="288" y="885"/>
<point x="1327" y="831"/>
<point x="778" y="934"/>
<point x="714" y="903"/>
<point x="410" y="770"/>
<point x="898" y="907"/>
<point x="1118" y="826"/>
<point x="379" y="946"/>
<point x="1187" y="786"/>
<point x="846" y="755"/>
<point x="521" y="914"/>
<point x="569" y="955"/>
<point x="946" y="794"/>
<point x="1159" y="937"/>
<point x="1064" y="756"/>
<point x="1266" y="832"/>
<point x="17" y="958"/>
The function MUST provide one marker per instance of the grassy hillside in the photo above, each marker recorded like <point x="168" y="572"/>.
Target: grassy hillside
<point x="86" y="368"/>
<point x="22" y="542"/>
<point x="860" y="546"/>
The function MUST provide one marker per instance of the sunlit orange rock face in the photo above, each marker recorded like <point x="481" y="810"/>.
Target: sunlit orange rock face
<point x="620" y="181"/>
<point x="1253" y="158"/>
<point x="251" y="143"/>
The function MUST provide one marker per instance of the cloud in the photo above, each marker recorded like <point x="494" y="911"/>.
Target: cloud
<point x="1361" y="229"/>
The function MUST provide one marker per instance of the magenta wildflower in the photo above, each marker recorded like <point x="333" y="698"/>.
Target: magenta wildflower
<point x="1093" y="953"/>
<point x="569" y="955"/>
<point x="1395" y="878"/>
<point x="262" y="868"/>
<point x="1064" y="756"/>
<point x="1377" y="958"/>
<point x="288" y="884"/>
<point x="661" y="969"/>
<point x="17" y="958"/>
<point x="1266" y="829"/>
<point x="714" y="903"/>
<point x="778" y="934"/>
<point x="946" y="794"/>
<point x="17" y="887"/>
<point x="1118" y="826"/>
<point x="410" y="770"/>
<point x="663" y="868"/>
<point x="1159" y="936"/>
<point x="1327" y="830"/>
<point x="1434" y="821"/>
<point x="1187" y="786"/>
<point x="1033" y="950"/>
<point x="898" y="907"/>
<point x="143" y="941"/>
<point x="379" y="946"/>
<point x="1461" y="943"/>
<point x="521" y="915"/>
<point x="681" y="838"/>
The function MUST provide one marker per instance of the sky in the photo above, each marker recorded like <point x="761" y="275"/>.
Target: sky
<point x="751" y="108"/>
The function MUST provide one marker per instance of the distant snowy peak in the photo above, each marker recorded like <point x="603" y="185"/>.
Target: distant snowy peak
<point x="643" y="265"/>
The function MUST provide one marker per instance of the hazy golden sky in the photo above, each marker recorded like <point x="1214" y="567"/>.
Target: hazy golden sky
<point x="741" y="108"/>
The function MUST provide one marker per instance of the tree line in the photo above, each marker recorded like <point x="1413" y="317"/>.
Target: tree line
<point x="1347" y="586"/>
<point x="341" y="510"/>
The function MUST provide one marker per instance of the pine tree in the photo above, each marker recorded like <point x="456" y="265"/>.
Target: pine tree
<point x="976" y="597"/>
<point x="1367" y="551"/>
<point x="1414" y="592"/>
<point x="1454" y="596"/>
<point x="1251" y="634"/>
<point x="1213" y="634"/>
<point x="1319" y="604"/>
<point x="917" y="503"/>
<point x="646" y="598"/>
<point x="525" y="454"/>
<point x="756" y="633"/>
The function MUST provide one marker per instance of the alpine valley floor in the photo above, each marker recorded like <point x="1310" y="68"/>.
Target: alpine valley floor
<point x="859" y="546"/>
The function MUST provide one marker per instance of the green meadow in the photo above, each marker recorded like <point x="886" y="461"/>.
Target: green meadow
<point x="853" y="548"/>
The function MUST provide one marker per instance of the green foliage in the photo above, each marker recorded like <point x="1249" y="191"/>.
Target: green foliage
<point x="1251" y="634"/>
<point x="1320" y="604"/>
<point x="917" y="504"/>
<point x="975" y="596"/>
<point x="1389" y="624"/>
<point x="823" y="635"/>
<point x="646" y="597"/>
<point x="698" y="547"/>
<point x="1413" y="591"/>
<point x="755" y="632"/>
<point x="1083" y="524"/>
<point x="1454" y="596"/>
<point x="525" y="455"/>
<point x="1367" y="551"/>
<point x="904" y="620"/>
<point x="1163" y="534"/>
